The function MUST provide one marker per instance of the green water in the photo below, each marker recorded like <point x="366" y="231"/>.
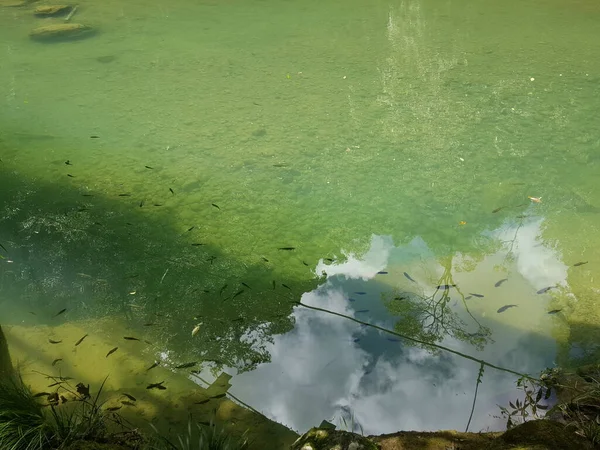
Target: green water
<point x="312" y="125"/>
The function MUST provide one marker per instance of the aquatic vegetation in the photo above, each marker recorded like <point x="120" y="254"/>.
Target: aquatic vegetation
<point x="202" y="436"/>
<point x="23" y="424"/>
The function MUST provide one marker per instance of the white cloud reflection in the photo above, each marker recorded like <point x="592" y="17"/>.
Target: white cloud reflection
<point x="328" y="365"/>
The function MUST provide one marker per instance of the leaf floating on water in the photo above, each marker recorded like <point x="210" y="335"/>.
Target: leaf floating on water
<point x="580" y="263"/>
<point x="409" y="277"/>
<point x="505" y="307"/>
<point x="499" y="283"/>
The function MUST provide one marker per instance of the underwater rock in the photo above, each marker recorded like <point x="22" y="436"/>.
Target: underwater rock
<point x="61" y="31"/>
<point x="328" y="439"/>
<point x="52" y="10"/>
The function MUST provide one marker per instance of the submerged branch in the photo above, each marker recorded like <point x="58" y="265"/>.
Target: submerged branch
<point x="418" y="341"/>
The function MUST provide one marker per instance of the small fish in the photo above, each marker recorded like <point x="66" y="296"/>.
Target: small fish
<point x="351" y="299"/>
<point x="114" y="408"/>
<point x="287" y="248"/>
<point x="54" y="342"/>
<point x="554" y="311"/>
<point x="393" y="339"/>
<point x="581" y="263"/>
<point x="156" y="386"/>
<point x="546" y="289"/>
<point x="31" y="312"/>
<point x="157" y="204"/>
<point x="149" y="324"/>
<point x="202" y="402"/>
<point x="187" y="365"/>
<point x="273" y="284"/>
<point x="70" y="176"/>
<point x="125" y="195"/>
<point x="362" y="311"/>
<point x="476" y="295"/>
<point x="141" y="203"/>
<point x="3" y="248"/>
<point x="444" y="287"/>
<point x="191" y="228"/>
<point x="156" y="364"/>
<point x="499" y="283"/>
<point x="56" y="361"/>
<point x="264" y="259"/>
<point x="130" y="397"/>
<point x="286" y="286"/>
<point x="505" y="307"/>
<point x="197" y="244"/>
<point x="215" y="205"/>
<point x="68" y="162"/>
<point x="196" y="330"/>
<point x="93" y="136"/>
<point x="469" y="297"/>
<point x="172" y="191"/>
<point x="80" y="340"/>
<point x="87" y="195"/>
<point x="148" y="167"/>
<point x="356" y="340"/>
<point x="305" y="263"/>
<point x="111" y="352"/>
<point x="329" y="260"/>
<point x="62" y="311"/>
<point x="218" y="396"/>
<point x="127" y="403"/>
<point x="244" y="284"/>
<point x="360" y="293"/>
<point x="55" y="384"/>
<point x="535" y="199"/>
<point x="409" y="277"/>
<point x="130" y="338"/>
<point x="382" y="272"/>
<point x="498" y="209"/>
<point x="521" y="216"/>
<point x="222" y="289"/>
<point x="240" y="292"/>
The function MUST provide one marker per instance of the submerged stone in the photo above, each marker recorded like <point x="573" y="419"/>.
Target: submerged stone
<point x="61" y="31"/>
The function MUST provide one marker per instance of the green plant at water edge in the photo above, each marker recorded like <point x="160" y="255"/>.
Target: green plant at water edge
<point x="23" y="425"/>
<point x="582" y="413"/>
<point x="81" y="420"/>
<point x="529" y="409"/>
<point x="203" y="437"/>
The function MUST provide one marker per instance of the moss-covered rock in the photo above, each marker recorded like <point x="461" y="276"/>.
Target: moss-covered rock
<point x="328" y="439"/>
<point x="544" y="434"/>
<point x="61" y="32"/>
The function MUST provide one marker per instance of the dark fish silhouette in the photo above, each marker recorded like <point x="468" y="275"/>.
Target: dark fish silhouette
<point x="130" y="338"/>
<point x="54" y="342"/>
<point x="362" y="311"/>
<point x="360" y="293"/>
<point x="156" y="386"/>
<point x="444" y="287"/>
<point x="62" y="311"/>
<point x="56" y="361"/>
<point x="125" y="195"/>
<point x="111" y="352"/>
<point x="499" y="283"/>
<point x="197" y="244"/>
<point x="554" y="311"/>
<point x="148" y="167"/>
<point x="409" y="277"/>
<point x="244" y="284"/>
<point x="581" y="263"/>
<point x="382" y="272"/>
<point x="128" y="403"/>
<point x="240" y="292"/>
<point x="172" y="191"/>
<point x="218" y="396"/>
<point x="264" y="259"/>
<point x="156" y="364"/>
<point x="352" y="299"/>
<point x="202" y="402"/>
<point x="498" y="209"/>
<point x="215" y="205"/>
<point x="191" y="228"/>
<point x="546" y="289"/>
<point x="287" y="248"/>
<point x="505" y="307"/>
<point x="114" y="408"/>
<point x="141" y="203"/>
<point x="469" y="297"/>
<point x="393" y="340"/>
<point x="130" y="397"/>
<point x="476" y="295"/>
<point x="286" y="286"/>
<point x="94" y="136"/>
<point x="187" y="365"/>
<point x="71" y="176"/>
<point x="68" y="162"/>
